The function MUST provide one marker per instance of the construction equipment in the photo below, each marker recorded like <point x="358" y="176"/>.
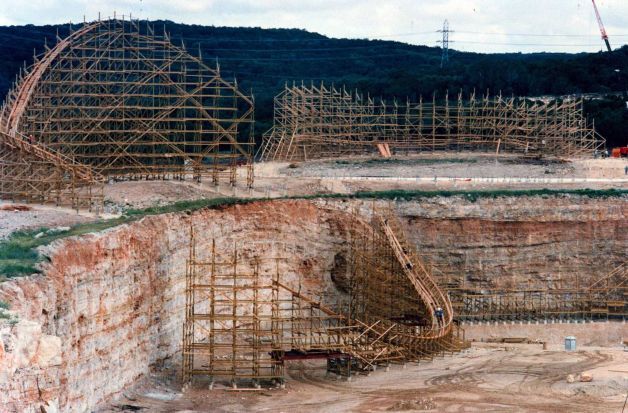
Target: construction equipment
<point x="621" y="152"/>
<point x="602" y="29"/>
<point x="608" y="47"/>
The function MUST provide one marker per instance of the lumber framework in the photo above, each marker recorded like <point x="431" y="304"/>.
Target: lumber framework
<point x="324" y="122"/>
<point x="30" y="173"/>
<point x="605" y="298"/>
<point x="116" y="100"/>
<point x="242" y="323"/>
<point x="245" y="319"/>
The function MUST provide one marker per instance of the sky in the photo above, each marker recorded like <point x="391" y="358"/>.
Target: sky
<point x="488" y="26"/>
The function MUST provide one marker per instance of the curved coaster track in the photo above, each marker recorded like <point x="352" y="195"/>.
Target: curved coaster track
<point x="239" y="325"/>
<point x="116" y="100"/>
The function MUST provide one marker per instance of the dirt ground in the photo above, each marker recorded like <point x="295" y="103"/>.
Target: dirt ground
<point x="458" y="165"/>
<point x="14" y="217"/>
<point x="143" y="194"/>
<point x="485" y="378"/>
<point x="452" y="172"/>
<point x="276" y="179"/>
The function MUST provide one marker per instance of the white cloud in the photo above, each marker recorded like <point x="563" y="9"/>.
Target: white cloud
<point x="496" y="25"/>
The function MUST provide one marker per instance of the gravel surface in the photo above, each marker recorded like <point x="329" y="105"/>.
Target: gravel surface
<point x="442" y="167"/>
<point x="15" y="217"/>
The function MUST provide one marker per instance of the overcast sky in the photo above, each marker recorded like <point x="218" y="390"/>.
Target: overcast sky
<point x="477" y="25"/>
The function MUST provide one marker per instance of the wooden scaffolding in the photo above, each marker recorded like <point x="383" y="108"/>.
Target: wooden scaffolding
<point x="324" y="122"/>
<point x="241" y="324"/>
<point x="31" y="173"/>
<point x="606" y="298"/>
<point x="123" y="102"/>
<point x="232" y="326"/>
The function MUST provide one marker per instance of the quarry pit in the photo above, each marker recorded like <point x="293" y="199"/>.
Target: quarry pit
<point x="158" y="253"/>
<point x="102" y="322"/>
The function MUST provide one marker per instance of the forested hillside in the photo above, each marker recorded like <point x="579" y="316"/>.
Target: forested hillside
<point x="264" y="59"/>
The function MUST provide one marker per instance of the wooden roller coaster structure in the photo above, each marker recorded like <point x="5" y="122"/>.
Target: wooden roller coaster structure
<point x="245" y="319"/>
<point x="605" y="298"/>
<point x="325" y="122"/>
<point x="242" y="322"/>
<point x="116" y="100"/>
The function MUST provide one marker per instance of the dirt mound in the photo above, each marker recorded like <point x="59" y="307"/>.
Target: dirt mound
<point x="15" y="208"/>
<point x="417" y="404"/>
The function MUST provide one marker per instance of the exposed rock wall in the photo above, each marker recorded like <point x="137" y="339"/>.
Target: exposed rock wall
<point x="506" y="242"/>
<point x="111" y="304"/>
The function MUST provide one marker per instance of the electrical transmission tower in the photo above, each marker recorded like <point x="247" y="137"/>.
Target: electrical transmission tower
<point x="445" y="44"/>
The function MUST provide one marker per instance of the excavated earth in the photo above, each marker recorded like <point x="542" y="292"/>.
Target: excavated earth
<point x="105" y="316"/>
<point x="485" y="378"/>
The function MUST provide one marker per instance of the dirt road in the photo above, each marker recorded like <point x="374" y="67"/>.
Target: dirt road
<point x="486" y="378"/>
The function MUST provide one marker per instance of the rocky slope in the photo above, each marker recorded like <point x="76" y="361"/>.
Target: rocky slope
<point x="510" y="242"/>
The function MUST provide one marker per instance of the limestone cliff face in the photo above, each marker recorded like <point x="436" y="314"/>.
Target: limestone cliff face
<point x="110" y="306"/>
<point x="508" y="242"/>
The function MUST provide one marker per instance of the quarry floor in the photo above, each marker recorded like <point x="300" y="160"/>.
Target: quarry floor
<point x="485" y="378"/>
<point x="430" y="172"/>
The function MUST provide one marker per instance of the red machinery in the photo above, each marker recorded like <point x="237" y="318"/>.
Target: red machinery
<point x="621" y="152"/>
<point x="602" y="29"/>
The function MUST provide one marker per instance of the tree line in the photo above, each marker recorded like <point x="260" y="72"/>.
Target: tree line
<point x="263" y="60"/>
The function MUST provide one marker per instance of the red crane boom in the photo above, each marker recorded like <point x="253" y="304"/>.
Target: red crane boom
<point x="602" y="29"/>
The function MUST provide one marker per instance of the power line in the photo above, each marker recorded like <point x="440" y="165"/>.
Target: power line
<point x="403" y="53"/>
<point x="380" y="36"/>
<point x="369" y="54"/>
<point x="537" y="34"/>
<point x="528" y="44"/>
<point x="399" y="53"/>
<point x="403" y="34"/>
<point x="217" y="39"/>
<point x="444" y="33"/>
<point x="322" y="49"/>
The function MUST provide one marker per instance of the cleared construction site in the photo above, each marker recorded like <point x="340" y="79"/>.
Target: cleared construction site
<point x="362" y="284"/>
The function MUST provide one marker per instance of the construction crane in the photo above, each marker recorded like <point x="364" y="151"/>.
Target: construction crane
<point x="608" y="46"/>
<point x="602" y="29"/>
